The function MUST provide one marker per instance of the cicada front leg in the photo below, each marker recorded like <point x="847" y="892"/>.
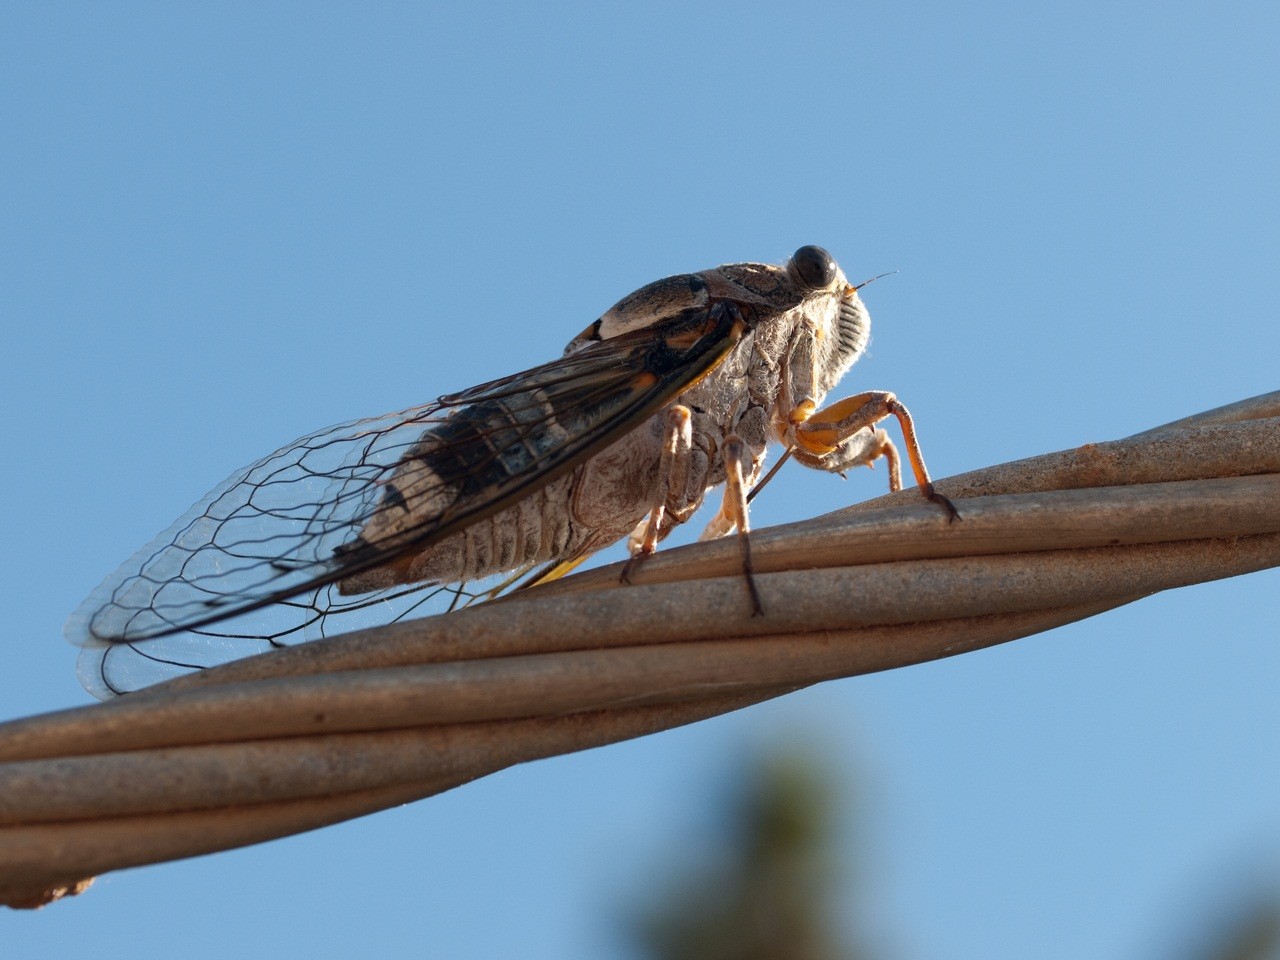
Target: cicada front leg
<point x="832" y="439"/>
<point x="861" y="449"/>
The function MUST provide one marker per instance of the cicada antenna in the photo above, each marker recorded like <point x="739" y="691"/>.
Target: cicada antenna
<point x="875" y="278"/>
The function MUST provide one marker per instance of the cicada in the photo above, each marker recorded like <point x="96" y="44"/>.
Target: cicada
<point x="677" y="388"/>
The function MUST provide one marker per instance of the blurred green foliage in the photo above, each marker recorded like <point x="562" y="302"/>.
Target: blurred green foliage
<point x="772" y="891"/>
<point x="772" y="894"/>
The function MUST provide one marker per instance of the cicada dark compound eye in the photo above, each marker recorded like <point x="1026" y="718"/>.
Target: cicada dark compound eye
<point x="813" y="267"/>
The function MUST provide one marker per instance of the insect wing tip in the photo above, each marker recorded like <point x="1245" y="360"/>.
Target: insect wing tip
<point x="91" y="671"/>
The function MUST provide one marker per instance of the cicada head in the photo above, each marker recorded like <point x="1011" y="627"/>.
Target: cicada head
<point x="833" y="305"/>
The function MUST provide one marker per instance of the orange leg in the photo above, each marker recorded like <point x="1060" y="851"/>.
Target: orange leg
<point x="820" y="434"/>
<point x="856" y="452"/>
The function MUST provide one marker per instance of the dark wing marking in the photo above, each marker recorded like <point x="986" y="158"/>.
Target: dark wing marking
<point x="277" y="536"/>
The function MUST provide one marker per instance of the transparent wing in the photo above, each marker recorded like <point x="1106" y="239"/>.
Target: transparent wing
<point x="258" y="562"/>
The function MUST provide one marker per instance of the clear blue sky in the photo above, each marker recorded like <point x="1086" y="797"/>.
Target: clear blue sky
<point x="225" y="227"/>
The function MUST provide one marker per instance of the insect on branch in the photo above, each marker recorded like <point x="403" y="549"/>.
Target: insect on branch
<point x="322" y="732"/>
